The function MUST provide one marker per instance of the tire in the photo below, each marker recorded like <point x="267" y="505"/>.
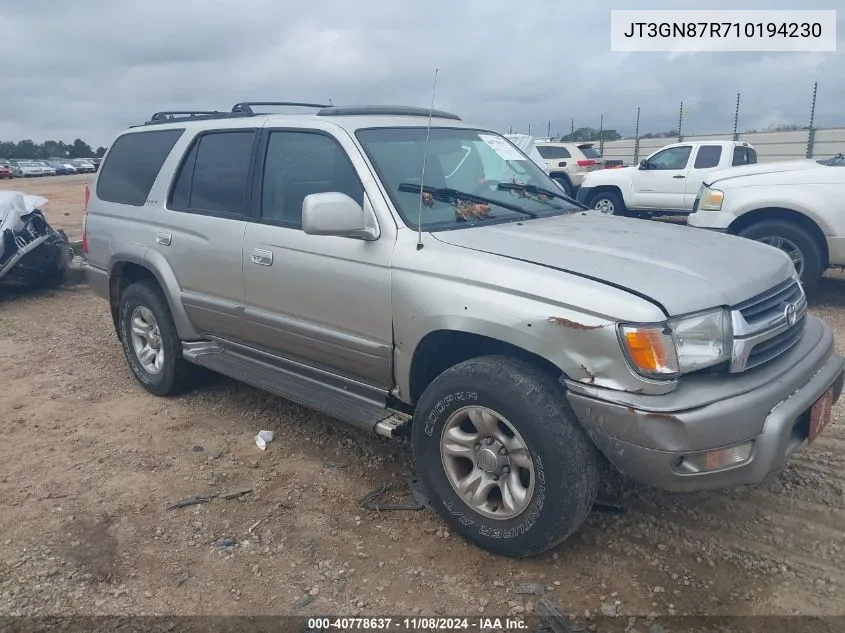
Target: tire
<point x="175" y="374"/>
<point x="608" y="202"/>
<point x="789" y="237"/>
<point x="558" y="495"/>
<point x="563" y="181"/>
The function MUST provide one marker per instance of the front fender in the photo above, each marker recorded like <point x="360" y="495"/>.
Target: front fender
<point x="583" y="346"/>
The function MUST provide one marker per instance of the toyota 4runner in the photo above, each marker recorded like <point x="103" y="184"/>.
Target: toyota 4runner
<point x="403" y="271"/>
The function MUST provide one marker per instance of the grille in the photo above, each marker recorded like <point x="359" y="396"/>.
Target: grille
<point x="761" y="326"/>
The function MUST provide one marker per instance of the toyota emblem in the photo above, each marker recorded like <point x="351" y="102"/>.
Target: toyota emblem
<point x="789" y="312"/>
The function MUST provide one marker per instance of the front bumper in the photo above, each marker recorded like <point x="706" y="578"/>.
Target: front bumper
<point x="645" y="437"/>
<point x="715" y="220"/>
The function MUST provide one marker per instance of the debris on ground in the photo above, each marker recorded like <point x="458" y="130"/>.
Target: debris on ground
<point x="421" y="501"/>
<point x="32" y="253"/>
<point x="225" y="543"/>
<point x="529" y="588"/>
<point x="191" y="501"/>
<point x="263" y="438"/>
<point x="551" y="617"/>
<point x="235" y="494"/>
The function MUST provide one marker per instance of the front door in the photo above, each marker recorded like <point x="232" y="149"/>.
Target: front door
<point x="322" y="300"/>
<point x="661" y="183"/>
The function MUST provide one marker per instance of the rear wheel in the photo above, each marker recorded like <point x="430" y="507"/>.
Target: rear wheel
<point x="794" y="240"/>
<point x="608" y="202"/>
<point x="150" y="341"/>
<point x="502" y="456"/>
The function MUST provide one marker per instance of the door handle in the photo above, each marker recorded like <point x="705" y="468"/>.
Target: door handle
<point x="679" y="176"/>
<point x="163" y="238"/>
<point x="262" y="257"/>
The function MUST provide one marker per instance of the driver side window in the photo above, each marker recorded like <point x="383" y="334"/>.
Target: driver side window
<point x="672" y="158"/>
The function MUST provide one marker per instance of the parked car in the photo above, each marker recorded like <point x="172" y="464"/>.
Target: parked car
<point x="797" y="206"/>
<point x="514" y="335"/>
<point x="46" y="168"/>
<point x="62" y="168"/>
<point x="6" y="172"/>
<point x="569" y="163"/>
<point x="26" y="169"/>
<point x="83" y="165"/>
<point x="5" y="163"/>
<point x="665" y="182"/>
<point x="96" y="162"/>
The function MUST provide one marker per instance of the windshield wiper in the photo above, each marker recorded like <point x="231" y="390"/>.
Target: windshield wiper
<point x="540" y="191"/>
<point x="447" y="194"/>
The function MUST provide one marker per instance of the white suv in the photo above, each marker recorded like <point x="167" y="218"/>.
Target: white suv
<point x="569" y="163"/>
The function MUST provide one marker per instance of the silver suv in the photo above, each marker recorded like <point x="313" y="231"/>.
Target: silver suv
<point x="434" y="281"/>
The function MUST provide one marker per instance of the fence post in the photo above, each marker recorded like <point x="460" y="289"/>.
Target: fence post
<point x="680" y="123"/>
<point x="736" y="118"/>
<point x="572" y="126"/>
<point x="549" y="130"/>
<point x="811" y="134"/>
<point x="637" y="139"/>
<point x="601" y="134"/>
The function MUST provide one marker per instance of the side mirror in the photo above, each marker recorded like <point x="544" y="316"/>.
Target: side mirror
<point x="644" y="163"/>
<point x="337" y="214"/>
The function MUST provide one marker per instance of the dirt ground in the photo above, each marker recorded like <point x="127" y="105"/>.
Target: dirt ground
<point x="89" y="463"/>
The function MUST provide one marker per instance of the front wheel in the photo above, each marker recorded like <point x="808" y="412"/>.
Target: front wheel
<point x="794" y="240"/>
<point x="608" y="202"/>
<point x="502" y="456"/>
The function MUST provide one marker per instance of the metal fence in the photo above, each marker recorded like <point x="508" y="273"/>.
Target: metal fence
<point x="770" y="146"/>
<point x="807" y="142"/>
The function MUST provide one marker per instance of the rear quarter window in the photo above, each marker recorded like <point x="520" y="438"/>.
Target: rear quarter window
<point x="132" y="165"/>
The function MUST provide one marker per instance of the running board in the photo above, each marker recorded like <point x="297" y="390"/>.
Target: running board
<point x="339" y="397"/>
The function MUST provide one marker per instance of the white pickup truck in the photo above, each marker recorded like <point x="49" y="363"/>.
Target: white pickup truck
<point x="666" y="182"/>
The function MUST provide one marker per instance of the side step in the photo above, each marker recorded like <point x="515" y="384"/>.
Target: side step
<point x="395" y="425"/>
<point x="347" y="400"/>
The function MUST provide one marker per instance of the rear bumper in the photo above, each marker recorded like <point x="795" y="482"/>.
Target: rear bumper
<point x="98" y="280"/>
<point x="647" y="441"/>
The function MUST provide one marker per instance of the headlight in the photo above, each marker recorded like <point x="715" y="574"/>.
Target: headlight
<point x="678" y="346"/>
<point x="710" y="199"/>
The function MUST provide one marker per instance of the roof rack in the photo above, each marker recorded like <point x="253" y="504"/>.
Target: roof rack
<point x="245" y="109"/>
<point x="246" y="106"/>
<point x="375" y="110"/>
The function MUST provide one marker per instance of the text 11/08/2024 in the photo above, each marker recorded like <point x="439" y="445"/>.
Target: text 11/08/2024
<point x="695" y="31"/>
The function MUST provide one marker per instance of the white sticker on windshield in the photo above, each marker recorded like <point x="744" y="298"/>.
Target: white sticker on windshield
<point x="499" y="145"/>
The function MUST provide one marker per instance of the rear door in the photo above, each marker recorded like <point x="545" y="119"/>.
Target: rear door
<point x="707" y="159"/>
<point x="200" y="229"/>
<point x="662" y="184"/>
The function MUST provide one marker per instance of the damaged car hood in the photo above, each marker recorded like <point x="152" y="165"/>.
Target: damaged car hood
<point x="681" y="268"/>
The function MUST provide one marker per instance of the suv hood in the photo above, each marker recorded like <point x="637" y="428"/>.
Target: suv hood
<point x="681" y="268"/>
<point x="761" y="168"/>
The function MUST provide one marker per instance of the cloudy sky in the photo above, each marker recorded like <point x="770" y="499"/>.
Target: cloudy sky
<point x="89" y="69"/>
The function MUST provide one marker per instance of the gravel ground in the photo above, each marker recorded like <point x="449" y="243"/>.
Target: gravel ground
<point x="89" y="463"/>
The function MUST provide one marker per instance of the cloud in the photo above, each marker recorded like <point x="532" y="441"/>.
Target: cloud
<point x="89" y="70"/>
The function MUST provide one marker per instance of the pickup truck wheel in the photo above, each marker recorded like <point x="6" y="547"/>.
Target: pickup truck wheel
<point x="608" y="202"/>
<point x="564" y="182"/>
<point x="502" y="456"/>
<point x="795" y="241"/>
<point x="150" y="341"/>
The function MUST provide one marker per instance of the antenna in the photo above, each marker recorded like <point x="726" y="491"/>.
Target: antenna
<point x="425" y="156"/>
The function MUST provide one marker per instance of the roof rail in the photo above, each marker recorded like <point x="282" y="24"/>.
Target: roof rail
<point x="245" y="107"/>
<point x="172" y="114"/>
<point x="375" y="110"/>
<point x="175" y="116"/>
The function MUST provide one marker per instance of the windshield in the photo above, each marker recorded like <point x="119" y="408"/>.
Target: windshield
<point x="472" y="162"/>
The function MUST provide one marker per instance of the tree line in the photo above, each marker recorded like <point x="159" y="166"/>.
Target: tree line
<point x="49" y="149"/>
